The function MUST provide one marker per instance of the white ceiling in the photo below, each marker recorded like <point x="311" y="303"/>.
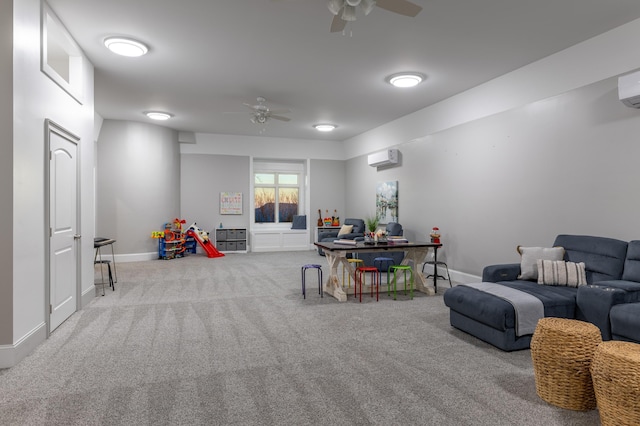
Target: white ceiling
<point x="208" y="57"/>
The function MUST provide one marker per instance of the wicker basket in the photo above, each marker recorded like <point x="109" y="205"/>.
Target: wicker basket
<point x="561" y="350"/>
<point x="616" y="380"/>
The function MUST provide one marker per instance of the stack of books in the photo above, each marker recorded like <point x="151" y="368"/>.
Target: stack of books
<point x="397" y="240"/>
<point x="349" y="242"/>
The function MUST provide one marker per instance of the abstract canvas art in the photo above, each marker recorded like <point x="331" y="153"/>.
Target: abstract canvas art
<point x="387" y="201"/>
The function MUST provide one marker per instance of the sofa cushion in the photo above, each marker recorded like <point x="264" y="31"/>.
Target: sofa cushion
<point x="345" y="229"/>
<point x="603" y="257"/>
<point x="632" y="262"/>
<point x="625" y="321"/>
<point x="559" y="272"/>
<point x="498" y="313"/>
<point x="530" y="256"/>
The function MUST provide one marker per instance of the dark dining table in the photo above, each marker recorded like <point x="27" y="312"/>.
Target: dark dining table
<point x="415" y="253"/>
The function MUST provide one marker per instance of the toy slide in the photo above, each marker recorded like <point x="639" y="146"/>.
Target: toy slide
<point x="203" y="239"/>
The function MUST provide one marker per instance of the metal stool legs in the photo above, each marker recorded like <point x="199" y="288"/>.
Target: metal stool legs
<point x="384" y="263"/>
<point x="435" y="271"/>
<point x="110" y="276"/>
<point x="361" y="276"/>
<point x="358" y="261"/>
<point x="303" y="270"/>
<point x="404" y="269"/>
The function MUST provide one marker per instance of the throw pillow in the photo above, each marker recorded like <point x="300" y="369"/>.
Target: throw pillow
<point x="346" y="229"/>
<point x="299" y="222"/>
<point x="560" y="273"/>
<point x="529" y="257"/>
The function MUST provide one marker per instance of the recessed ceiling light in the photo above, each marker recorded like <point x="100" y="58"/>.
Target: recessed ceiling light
<point x="324" y="127"/>
<point x="405" y="79"/>
<point x="157" y="115"/>
<point x="125" y="46"/>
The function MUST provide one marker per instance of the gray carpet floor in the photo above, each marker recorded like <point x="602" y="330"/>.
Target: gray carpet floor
<point x="231" y="341"/>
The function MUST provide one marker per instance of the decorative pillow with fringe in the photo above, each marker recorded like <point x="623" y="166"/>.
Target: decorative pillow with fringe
<point x="560" y="273"/>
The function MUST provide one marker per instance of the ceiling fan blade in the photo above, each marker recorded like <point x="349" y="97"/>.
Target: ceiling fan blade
<point x="251" y="107"/>
<point x="337" y="24"/>
<point x="279" y="111"/>
<point x="279" y="117"/>
<point x="402" y="7"/>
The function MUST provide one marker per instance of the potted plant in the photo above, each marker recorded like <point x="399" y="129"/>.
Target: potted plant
<point x="372" y="225"/>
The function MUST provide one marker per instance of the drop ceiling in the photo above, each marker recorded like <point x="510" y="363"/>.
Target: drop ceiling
<point x="209" y="57"/>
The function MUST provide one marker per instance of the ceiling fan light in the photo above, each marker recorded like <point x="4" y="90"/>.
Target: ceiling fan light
<point x="324" y="127"/>
<point x="353" y="3"/>
<point x="348" y="13"/>
<point x="125" y="46"/>
<point x="335" y="6"/>
<point x="405" y="79"/>
<point x="367" y="6"/>
<point x="158" y="115"/>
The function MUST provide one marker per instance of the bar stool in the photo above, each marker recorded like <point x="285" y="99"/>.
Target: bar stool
<point x="303" y="270"/>
<point x="435" y="270"/>
<point x="384" y="263"/>
<point x="357" y="262"/>
<point x="108" y="263"/>
<point x="404" y="269"/>
<point x="361" y="276"/>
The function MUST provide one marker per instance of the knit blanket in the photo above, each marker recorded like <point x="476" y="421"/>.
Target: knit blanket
<point x="528" y="308"/>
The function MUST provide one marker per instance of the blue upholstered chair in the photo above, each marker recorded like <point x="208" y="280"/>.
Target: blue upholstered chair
<point x="330" y="235"/>
<point x="394" y="229"/>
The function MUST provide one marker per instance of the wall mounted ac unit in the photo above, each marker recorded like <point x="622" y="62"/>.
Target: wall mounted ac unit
<point x="383" y="158"/>
<point x="629" y="89"/>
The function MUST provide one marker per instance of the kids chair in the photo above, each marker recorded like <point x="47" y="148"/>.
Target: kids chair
<point x="361" y="276"/>
<point x="384" y="264"/>
<point x="356" y="261"/>
<point x="304" y="271"/>
<point x="404" y="269"/>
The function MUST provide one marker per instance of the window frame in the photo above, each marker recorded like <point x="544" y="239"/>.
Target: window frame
<point x="278" y="168"/>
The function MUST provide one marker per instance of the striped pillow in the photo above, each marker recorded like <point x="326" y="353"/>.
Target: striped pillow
<point x="561" y="273"/>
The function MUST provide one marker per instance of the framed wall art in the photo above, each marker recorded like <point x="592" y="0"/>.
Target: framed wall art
<point x="231" y="203"/>
<point x="387" y="201"/>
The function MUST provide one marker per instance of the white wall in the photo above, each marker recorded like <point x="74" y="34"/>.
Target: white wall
<point x="6" y="170"/>
<point x="203" y="178"/>
<point x="264" y="147"/>
<point x="36" y="98"/>
<point x="138" y="184"/>
<point x="567" y="164"/>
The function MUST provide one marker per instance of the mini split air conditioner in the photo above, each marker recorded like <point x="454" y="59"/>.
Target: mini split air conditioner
<point x="629" y="89"/>
<point x="383" y="158"/>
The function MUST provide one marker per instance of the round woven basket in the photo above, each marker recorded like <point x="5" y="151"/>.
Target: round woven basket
<point x="616" y="380"/>
<point x="561" y="350"/>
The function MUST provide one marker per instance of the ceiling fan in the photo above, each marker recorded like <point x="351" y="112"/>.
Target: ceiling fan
<point x="345" y="10"/>
<point x="260" y="113"/>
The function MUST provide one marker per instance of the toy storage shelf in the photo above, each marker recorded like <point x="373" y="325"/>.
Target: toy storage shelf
<point x="231" y="240"/>
<point x="175" y="248"/>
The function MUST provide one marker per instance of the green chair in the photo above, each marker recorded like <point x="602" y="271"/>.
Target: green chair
<point x="404" y="269"/>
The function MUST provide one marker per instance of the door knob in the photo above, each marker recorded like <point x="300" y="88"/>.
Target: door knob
<point x="77" y="236"/>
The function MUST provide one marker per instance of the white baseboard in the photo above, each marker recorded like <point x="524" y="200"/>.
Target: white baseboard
<point x="456" y="276"/>
<point x="10" y="355"/>
<point x="132" y="257"/>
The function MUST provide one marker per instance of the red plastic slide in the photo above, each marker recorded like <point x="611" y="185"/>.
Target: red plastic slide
<point x="205" y="244"/>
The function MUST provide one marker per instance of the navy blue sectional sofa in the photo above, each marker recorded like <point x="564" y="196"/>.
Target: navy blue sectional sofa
<point x="610" y="300"/>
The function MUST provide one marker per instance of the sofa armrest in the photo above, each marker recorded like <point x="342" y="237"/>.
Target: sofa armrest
<point x="504" y="272"/>
<point x="594" y="303"/>
<point x="328" y="234"/>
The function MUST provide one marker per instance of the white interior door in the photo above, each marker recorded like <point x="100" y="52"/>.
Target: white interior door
<point x="63" y="203"/>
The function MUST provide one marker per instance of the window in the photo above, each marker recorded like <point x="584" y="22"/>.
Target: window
<point x="276" y="196"/>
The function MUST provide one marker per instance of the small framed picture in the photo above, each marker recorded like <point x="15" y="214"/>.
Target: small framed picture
<point x="231" y="203"/>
